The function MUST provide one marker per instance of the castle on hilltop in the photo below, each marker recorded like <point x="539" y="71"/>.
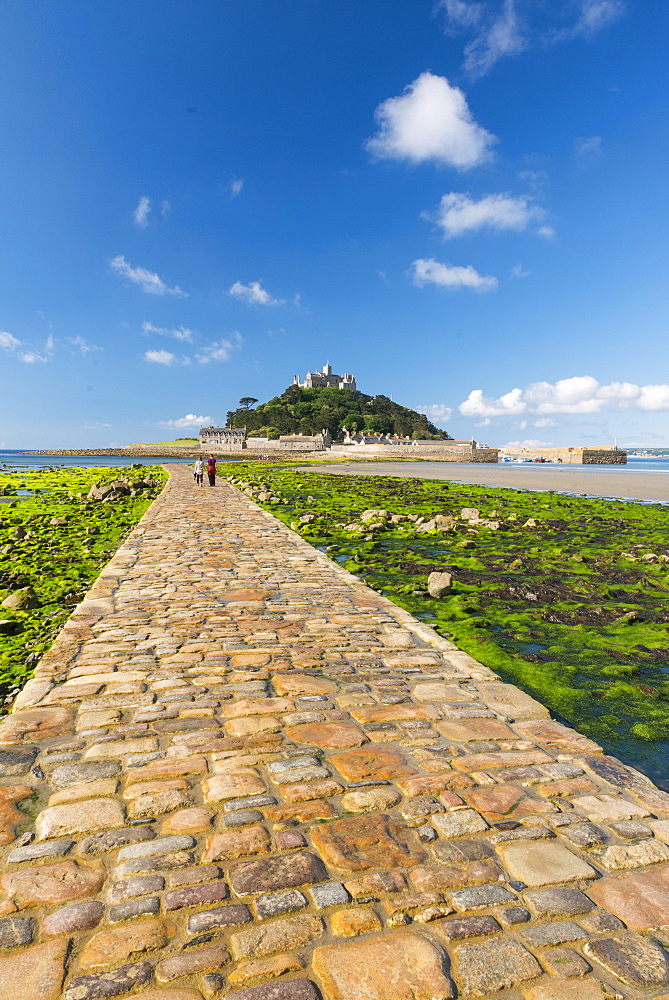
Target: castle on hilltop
<point x="326" y="379"/>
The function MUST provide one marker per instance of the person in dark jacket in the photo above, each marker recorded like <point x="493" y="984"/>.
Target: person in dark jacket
<point x="211" y="470"/>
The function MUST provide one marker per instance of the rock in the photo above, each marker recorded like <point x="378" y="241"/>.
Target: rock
<point x="193" y="820"/>
<point x="21" y="600"/>
<point x="402" y="965"/>
<point x="439" y="584"/>
<point x="294" y="989"/>
<point x="303" y="684"/>
<point x="370" y="799"/>
<point x="554" y="902"/>
<point x="109" y="984"/>
<point x="16" y="931"/>
<point x="36" y="724"/>
<point x="636" y="960"/>
<point x="233" y="785"/>
<point x="470" y="513"/>
<point x="640" y="899"/>
<point x="277" y="903"/>
<point x="80" y="817"/>
<point x="460" y="823"/>
<point x="484" y="968"/>
<point x="10" y="816"/>
<point x="281" y="872"/>
<point x="36" y="972"/>
<point x="109" y="947"/>
<point x="356" y="843"/>
<point x="555" y="933"/>
<point x="482" y="895"/>
<point x="359" y="920"/>
<point x="463" y="927"/>
<point x="543" y="863"/>
<point x="9" y="626"/>
<point x="330" y="894"/>
<point x="565" y="962"/>
<point x="195" y="895"/>
<point x="33" y="691"/>
<point x="81" y="773"/>
<point x="607" y="808"/>
<point x="265" y="968"/>
<point x="501" y="803"/>
<point x="222" y="916"/>
<point x="619" y="856"/>
<point x="281" y="935"/>
<point x="328" y="734"/>
<point x="564" y="989"/>
<point x="373" y="762"/>
<point x="13" y="762"/>
<point x="56" y="883"/>
<point x="69" y="919"/>
<point x="108" y="840"/>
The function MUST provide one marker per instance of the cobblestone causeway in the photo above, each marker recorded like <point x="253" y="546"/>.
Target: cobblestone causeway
<point x="241" y="773"/>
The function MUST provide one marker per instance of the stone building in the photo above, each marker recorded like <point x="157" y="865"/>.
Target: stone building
<point x="326" y="379"/>
<point x="223" y="438"/>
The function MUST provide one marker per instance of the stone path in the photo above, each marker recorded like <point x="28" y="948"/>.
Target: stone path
<point x="252" y="777"/>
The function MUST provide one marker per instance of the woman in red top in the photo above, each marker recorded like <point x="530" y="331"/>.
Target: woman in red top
<point x="211" y="470"/>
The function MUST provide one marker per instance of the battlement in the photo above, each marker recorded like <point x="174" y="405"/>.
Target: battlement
<point x="326" y="379"/>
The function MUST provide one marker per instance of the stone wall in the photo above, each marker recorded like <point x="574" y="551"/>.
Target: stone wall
<point x="437" y="453"/>
<point x="572" y="456"/>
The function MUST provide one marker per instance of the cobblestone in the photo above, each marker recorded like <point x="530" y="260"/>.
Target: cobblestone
<point x="240" y="753"/>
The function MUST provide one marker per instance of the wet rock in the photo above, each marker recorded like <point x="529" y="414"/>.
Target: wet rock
<point x="111" y="946"/>
<point x="356" y="843"/>
<point x="557" y="902"/>
<point x="109" y="840"/>
<point x="640" y="899"/>
<point x="463" y="927"/>
<point x="80" y="817"/>
<point x="439" y="584"/>
<point x="544" y="863"/>
<point x="75" y="774"/>
<point x="195" y="895"/>
<point x="222" y="916"/>
<point x="16" y="931"/>
<point x="14" y="762"/>
<point x="56" y="883"/>
<point x="294" y="989"/>
<point x="281" y="935"/>
<point x="277" y="903"/>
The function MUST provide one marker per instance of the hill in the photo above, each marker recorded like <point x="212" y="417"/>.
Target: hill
<point x="309" y="411"/>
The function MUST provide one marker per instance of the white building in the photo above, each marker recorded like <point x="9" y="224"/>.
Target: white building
<point x="325" y="379"/>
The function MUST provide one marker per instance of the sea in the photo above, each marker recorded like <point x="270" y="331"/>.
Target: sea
<point x="16" y="461"/>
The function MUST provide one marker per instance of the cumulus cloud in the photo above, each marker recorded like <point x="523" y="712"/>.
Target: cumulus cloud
<point x="439" y="413"/>
<point x="457" y="213"/>
<point x="190" y="420"/>
<point x="142" y="212"/>
<point x="178" y="332"/>
<point x="580" y="394"/>
<point x="495" y="29"/>
<point x="431" y="121"/>
<point x="432" y="272"/>
<point x="147" y="280"/>
<point x="160" y="357"/>
<point x="253" y="293"/>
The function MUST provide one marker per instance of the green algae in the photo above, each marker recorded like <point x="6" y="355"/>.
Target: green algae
<point x="574" y="610"/>
<point x="58" y="562"/>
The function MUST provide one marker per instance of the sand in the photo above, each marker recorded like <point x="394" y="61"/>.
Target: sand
<point x="621" y="482"/>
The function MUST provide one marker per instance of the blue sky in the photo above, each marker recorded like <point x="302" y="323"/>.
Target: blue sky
<point x="463" y="203"/>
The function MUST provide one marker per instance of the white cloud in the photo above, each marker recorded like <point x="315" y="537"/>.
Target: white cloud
<point x="142" y="212"/>
<point x="437" y="412"/>
<point x="147" y="280"/>
<point x="431" y="121"/>
<point x="433" y="272"/>
<point x="580" y="394"/>
<point x="160" y="357"/>
<point x="546" y="422"/>
<point x="502" y="37"/>
<point x="546" y="231"/>
<point x="29" y="355"/>
<point x="518" y="272"/>
<point x="478" y="405"/>
<point x="495" y="29"/>
<point x="190" y="420"/>
<point x="589" y="145"/>
<point x="236" y="186"/>
<point x="178" y="332"/>
<point x="220" y="350"/>
<point x="458" y="213"/>
<point x="8" y="341"/>
<point x="253" y="293"/>
<point x="165" y="208"/>
<point x="82" y="345"/>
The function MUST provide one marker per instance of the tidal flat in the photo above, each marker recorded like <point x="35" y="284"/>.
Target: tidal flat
<point x="53" y="543"/>
<point x="567" y="597"/>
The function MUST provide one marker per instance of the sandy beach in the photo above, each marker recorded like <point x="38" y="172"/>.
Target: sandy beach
<point x="621" y="482"/>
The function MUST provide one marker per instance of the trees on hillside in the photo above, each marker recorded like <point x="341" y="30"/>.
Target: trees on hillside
<point x="309" y="411"/>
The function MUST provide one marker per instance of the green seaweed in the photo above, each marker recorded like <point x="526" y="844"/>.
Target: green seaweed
<point x="58" y="562"/>
<point x="574" y="610"/>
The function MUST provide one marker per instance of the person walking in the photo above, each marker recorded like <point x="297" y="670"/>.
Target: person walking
<point x="199" y="472"/>
<point x="211" y="470"/>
